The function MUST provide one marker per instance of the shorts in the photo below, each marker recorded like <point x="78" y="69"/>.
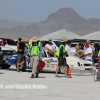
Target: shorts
<point x="20" y="57"/>
<point x="62" y="62"/>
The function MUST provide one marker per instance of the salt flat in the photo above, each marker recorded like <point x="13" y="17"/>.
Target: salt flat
<point x="76" y="88"/>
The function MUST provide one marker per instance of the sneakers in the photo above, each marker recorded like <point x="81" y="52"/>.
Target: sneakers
<point x="18" y="69"/>
<point x="32" y="76"/>
<point x="21" y="66"/>
<point x="68" y="76"/>
<point x="57" y="76"/>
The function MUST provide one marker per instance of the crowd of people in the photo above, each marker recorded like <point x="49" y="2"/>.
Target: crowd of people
<point x="35" y="50"/>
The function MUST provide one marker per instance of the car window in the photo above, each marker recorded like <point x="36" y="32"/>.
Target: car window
<point x="58" y="43"/>
<point x="10" y="42"/>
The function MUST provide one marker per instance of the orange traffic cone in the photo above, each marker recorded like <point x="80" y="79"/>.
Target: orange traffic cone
<point x="69" y="73"/>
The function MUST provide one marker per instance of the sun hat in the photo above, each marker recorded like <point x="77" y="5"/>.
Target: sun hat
<point x="63" y="39"/>
<point x="23" y="39"/>
<point x="35" y="39"/>
<point x="50" y="40"/>
<point x="27" y="40"/>
<point x="87" y="41"/>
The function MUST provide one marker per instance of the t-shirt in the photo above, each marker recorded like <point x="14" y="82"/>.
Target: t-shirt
<point x="50" y="46"/>
<point x="87" y="51"/>
<point x="68" y="49"/>
<point x="78" y="53"/>
<point x="21" y="47"/>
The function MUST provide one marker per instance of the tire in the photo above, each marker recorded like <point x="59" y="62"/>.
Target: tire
<point x="24" y="67"/>
<point x="5" y="66"/>
<point x="61" y="70"/>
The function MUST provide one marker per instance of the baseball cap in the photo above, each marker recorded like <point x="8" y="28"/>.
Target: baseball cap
<point x="86" y="44"/>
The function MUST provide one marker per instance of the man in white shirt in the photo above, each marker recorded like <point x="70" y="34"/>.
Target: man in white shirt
<point x="50" y="47"/>
<point x="88" y="52"/>
<point x="67" y="48"/>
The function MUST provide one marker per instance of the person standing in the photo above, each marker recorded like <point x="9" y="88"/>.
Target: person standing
<point x="88" y="52"/>
<point x="35" y="52"/>
<point x="19" y="40"/>
<point x="78" y="53"/>
<point x="21" y="48"/>
<point x="67" y="48"/>
<point x="98" y="74"/>
<point x="61" y="54"/>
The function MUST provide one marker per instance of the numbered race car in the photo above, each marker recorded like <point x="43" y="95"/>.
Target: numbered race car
<point x="77" y="65"/>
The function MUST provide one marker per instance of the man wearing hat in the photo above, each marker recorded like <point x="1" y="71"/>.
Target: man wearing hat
<point x="21" y="48"/>
<point x="61" y="53"/>
<point x="88" y="52"/>
<point x="88" y="41"/>
<point x="35" y="51"/>
<point x="50" y="47"/>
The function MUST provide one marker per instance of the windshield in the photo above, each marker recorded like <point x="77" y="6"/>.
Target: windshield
<point x="58" y="43"/>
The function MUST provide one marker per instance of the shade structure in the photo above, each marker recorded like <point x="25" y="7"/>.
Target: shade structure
<point x="91" y="36"/>
<point x="61" y="33"/>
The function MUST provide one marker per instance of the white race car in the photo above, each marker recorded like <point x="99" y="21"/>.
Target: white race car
<point x="77" y="65"/>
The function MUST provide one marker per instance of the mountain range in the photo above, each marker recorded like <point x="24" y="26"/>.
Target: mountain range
<point x="64" y="18"/>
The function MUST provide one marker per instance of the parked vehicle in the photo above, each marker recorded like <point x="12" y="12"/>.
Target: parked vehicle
<point x="6" y="53"/>
<point x="9" y="43"/>
<point x="77" y="65"/>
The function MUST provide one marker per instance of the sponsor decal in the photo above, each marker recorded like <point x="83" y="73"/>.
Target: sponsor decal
<point x="50" y="60"/>
<point x="12" y="58"/>
<point x="53" y="66"/>
<point x="47" y="66"/>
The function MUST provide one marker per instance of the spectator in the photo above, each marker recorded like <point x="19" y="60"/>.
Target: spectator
<point x="50" y="48"/>
<point x="27" y="43"/>
<point x="19" y="40"/>
<point x="88" y="52"/>
<point x="98" y="74"/>
<point x="78" y="52"/>
<point x="35" y="51"/>
<point x="61" y="53"/>
<point x="67" y="47"/>
<point x="21" y="48"/>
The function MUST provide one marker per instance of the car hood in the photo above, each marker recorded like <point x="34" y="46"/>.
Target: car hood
<point x="76" y="59"/>
<point x="6" y="48"/>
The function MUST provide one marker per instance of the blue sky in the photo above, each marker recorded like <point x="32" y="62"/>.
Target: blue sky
<point x="38" y="10"/>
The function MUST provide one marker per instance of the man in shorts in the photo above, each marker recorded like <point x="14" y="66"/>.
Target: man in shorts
<point x="61" y="53"/>
<point x="21" y="47"/>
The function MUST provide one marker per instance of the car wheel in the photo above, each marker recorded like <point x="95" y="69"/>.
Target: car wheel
<point x="61" y="70"/>
<point x="5" y="66"/>
<point x="24" y="67"/>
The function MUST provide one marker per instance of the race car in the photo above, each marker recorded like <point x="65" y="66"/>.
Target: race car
<point x="77" y="65"/>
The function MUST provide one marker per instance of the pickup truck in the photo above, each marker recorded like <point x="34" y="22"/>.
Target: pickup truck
<point x="6" y="51"/>
<point x="10" y="43"/>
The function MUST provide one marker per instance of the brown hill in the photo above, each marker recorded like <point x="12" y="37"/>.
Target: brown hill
<point x="65" y="18"/>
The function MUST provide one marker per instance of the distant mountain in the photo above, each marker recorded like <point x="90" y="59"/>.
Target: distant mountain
<point x="65" y="18"/>
<point x="5" y="23"/>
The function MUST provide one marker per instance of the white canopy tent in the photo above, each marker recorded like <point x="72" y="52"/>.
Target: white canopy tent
<point x="59" y="34"/>
<point x="92" y="36"/>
